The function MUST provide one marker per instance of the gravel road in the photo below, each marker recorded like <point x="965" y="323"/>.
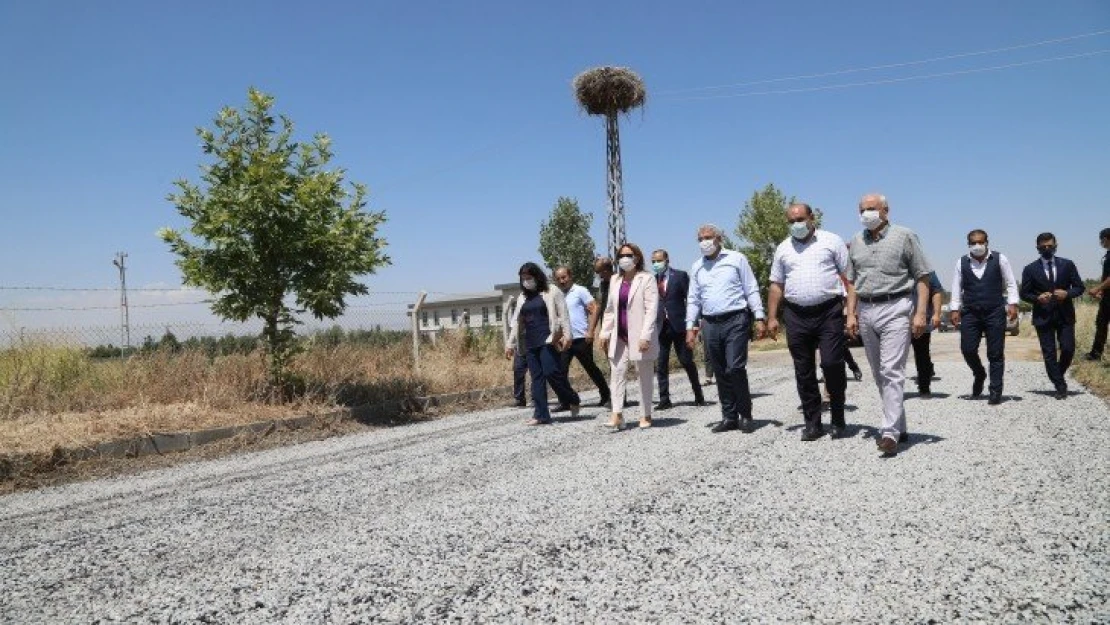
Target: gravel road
<point x="990" y="513"/>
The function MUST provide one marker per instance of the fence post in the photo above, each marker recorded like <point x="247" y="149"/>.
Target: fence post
<point x="416" y="330"/>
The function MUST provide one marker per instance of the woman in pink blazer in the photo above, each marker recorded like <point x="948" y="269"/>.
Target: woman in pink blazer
<point x="628" y="331"/>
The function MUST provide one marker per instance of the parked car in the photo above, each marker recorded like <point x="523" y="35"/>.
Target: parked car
<point x="945" y="320"/>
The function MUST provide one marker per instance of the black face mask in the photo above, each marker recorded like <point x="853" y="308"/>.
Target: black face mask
<point x="1047" y="251"/>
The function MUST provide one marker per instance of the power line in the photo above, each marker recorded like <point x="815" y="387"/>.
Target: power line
<point x="856" y="70"/>
<point x="887" y="81"/>
<point x="155" y="290"/>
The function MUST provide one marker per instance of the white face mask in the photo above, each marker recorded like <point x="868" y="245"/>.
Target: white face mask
<point x="708" y="247"/>
<point x="978" y="250"/>
<point x="799" y="229"/>
<point x="870" y="219"/>
<point x="626" y="263"/>
<point x="529" y="284"/>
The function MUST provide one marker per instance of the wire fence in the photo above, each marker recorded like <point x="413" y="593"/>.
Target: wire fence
<point x="93" y="318"/>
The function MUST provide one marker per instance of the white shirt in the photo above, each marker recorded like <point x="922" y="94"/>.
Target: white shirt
<point x="977" y="268"/>
<point x="810" y="271"/>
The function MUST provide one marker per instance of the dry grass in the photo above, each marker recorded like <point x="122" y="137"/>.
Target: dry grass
<point x="1093" y="375"/>
<point x="53" y="396"/>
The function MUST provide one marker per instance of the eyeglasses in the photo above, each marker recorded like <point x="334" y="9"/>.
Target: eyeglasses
<point x="627" y="256"/>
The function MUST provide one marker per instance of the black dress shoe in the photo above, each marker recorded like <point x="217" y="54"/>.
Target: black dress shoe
<point x="924" y="392"/>
<point x="812" y="435"/>
<point x="664" y="404"/>
<point x="1061" y="393"/>
<point x="747" y="425"/>
<point x="857" y="374"/>
<point x="560" y="408"/>
<point x="836" y="431"/>
<point x="603" y="402"/>
<point x="699" y="401"/>
<point x="1093" y="357"/>
<point x="725" y="426"/>
<point x="520" y="403"/>
<point x="995" y="398"/>
<point x="977" y="385"/>
<point x="904" y="437"/>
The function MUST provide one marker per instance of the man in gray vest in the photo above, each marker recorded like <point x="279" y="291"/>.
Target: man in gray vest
<point x="891" y="277"/>
<point x="984" y="295"/>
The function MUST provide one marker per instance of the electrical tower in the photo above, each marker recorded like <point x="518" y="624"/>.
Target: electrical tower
<point x="124" y="315"/>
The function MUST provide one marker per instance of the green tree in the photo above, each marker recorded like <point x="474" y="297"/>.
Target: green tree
<point x="762" y="227"/>
<point x="274" y="232"/>
<point x="565" y="240"/>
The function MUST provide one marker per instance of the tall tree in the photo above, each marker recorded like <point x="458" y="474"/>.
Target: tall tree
<point x="565" y="240"/>
<point x="274" y="232"/>
<point x="762" y="226"/>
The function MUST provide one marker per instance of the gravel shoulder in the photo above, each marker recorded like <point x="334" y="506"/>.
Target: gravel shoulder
<point x="990" y="513"/>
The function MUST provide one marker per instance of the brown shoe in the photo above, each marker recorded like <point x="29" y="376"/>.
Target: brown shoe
<point x="888" y="446"/>
<point x="616" y="422"/>
<point x="645" y="422"/>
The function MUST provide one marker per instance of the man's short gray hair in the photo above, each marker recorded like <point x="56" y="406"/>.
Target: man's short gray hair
<point x="878" y="196"/>
<point x="717" y="232"/>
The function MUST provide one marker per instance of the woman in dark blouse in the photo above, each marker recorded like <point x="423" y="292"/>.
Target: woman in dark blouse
<point x="541" y="329"/>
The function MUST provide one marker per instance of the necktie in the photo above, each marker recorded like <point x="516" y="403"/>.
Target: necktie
<point x="1052" y="273"/>
<point x="662" y="287"/>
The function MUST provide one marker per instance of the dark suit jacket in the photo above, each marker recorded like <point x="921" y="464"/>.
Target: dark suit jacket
<point x="1034" y="282"/>
<point x="672" y="306"/>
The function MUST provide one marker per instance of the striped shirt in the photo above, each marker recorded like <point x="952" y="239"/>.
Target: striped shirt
<point x="722" y="285"/>
<point x="887" y="264"/>
<point x="810" y="271"/>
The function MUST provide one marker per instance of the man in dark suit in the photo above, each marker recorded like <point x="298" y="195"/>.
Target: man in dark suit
<point x="1050" y="283"/>
<point x="671" y="321"/>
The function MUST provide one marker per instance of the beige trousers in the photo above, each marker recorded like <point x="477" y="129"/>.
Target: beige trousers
<point x="645" y="370"/>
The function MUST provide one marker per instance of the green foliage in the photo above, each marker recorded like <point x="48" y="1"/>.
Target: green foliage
<point x="272" y="224"/>
<point x="565" y="240"/>
<point x="762" y="227"/>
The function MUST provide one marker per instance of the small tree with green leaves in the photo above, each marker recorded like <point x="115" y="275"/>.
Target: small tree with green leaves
<point x="565" y="240"/>
<point x="274" y="231"/>
<point x="762" y="227"/>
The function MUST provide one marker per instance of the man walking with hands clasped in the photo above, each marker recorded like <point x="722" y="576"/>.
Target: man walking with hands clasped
<point x="673" y="288"/>
<point x="1050" y="283"/>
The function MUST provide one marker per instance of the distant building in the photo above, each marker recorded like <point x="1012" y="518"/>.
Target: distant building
<point x="475" y="310"/>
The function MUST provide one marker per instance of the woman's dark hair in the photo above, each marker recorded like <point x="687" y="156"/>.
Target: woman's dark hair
<point x="637" y="254"/>
<point x="537" y="273"/>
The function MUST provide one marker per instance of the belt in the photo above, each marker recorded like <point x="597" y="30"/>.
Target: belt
<point x="828" y="304"/>
<point x="725" y="316"/>
<point x="877" y="299"/>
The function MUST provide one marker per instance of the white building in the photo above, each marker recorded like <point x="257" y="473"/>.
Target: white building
<point x="475" y="310"/>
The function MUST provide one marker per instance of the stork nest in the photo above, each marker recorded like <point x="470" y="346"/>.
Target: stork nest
<point x="609" y="90"/>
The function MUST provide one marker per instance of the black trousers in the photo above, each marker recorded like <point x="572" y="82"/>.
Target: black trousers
<point x="1051" y="335"/>
<point x="973" y="325"/>
<point x="584" y="352"/>
<point x="685" y="355"/>
<point x="1101" y="322"/>
<point x="813" y="330"/>
<point x="923" y="360"/>
<point x="726" y="341"/>
<point x="520" y="371"/>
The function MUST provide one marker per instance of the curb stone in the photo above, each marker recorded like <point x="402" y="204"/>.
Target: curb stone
<point x="159" y="443"/>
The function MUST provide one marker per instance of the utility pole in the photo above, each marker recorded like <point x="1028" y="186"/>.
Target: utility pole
<point x="124" y="315"/>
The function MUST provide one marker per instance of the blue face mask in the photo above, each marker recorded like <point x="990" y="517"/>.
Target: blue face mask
<point x="658" y="266"/>
<point x="799" y="229"/>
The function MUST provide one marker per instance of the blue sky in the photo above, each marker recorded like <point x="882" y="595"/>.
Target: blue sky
<point x="461" y="120"/>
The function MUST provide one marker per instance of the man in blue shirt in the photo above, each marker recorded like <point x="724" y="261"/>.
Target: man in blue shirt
<point x="583" y="322"/>
<point x="724" y="294"/>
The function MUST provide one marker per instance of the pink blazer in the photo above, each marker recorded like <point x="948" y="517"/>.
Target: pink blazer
<point x="643" y="305"/>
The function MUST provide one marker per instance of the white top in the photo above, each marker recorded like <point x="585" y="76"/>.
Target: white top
<point x="578" y="298"/>
<point x="810" y="271"/>
<point x="977" y="268"/>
